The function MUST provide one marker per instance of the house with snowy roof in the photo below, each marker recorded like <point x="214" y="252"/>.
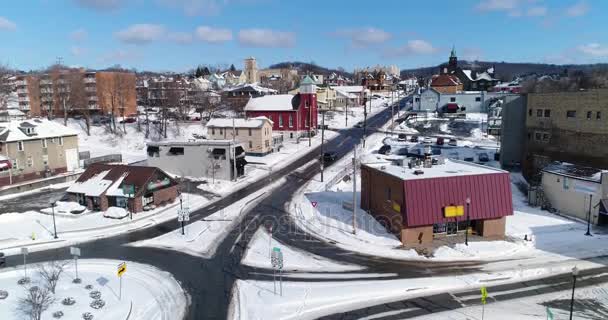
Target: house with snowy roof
<point x="238" y="96"/>
<point x="471" y="79"/>
<point x="255" y="134"/>
<point x="293" y="116"/>
<point x="36" y="148"/>
<point x="133" y="188"/>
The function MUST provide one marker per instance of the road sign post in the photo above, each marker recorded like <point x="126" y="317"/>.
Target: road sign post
<point x="24" y="252"/>
<point x="277" y="264"/>
<point x="183" y="215"/>
<point x="75" y="252"/>
<point x="122" y="268"/>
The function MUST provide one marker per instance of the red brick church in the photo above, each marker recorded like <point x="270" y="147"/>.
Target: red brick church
<point x="292" y="115"/>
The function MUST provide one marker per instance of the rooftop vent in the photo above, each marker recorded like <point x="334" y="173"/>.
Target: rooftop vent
<point x="418" y="172"/>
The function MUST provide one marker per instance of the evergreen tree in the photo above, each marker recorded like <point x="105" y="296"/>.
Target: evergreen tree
<point x="232" y="68"/>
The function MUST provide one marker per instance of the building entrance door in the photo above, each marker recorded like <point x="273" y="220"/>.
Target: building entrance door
<point x="451" y="227"/>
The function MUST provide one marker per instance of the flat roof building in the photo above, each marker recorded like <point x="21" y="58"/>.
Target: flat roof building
<point x="426" y="197"/>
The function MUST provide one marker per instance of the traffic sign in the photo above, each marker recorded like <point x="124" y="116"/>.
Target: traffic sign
<point x="24" y="251"/>
<point x="75" y="251"/>
<point x="277" y="258"/>
<point x="122" y="268"/>
<point x="314" y="204"/>
<point x="183" y="214"/>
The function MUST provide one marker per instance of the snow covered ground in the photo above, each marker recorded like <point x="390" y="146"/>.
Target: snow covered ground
<point x="147" y="292"/>
<point x="337" y="119"/>
<point x="258" y="255"/>
<point x="35" y="229"/>
<point x="203" y="236"/>
<point x="132" y="144"/>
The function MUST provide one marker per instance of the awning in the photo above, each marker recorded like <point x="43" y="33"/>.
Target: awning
<point x="151" y="149"/>
<point x="176" y="150"/>
<point x="452" y="106"/>
<point x="219" y="152"/>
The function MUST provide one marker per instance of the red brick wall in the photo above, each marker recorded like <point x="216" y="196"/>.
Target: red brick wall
<point x="165" y="195"/>
<point x="136" y="205"/>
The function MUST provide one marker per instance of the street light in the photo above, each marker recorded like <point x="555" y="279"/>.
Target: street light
<point x="466" y="232"/>
<point x="574" y="274"/>
<point x="53" y="210"/>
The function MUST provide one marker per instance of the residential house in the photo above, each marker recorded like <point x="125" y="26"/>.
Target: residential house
<point x="214" y="159"/>
<point x="254" y="133"/>
<point x="239" y="96"/>
<point x="294" y="116"/>
<point x="578" y="191"/>
<point x="471" y="79"/>
<point x="217" y="81"/>
<point x="37" y="149"/>
<point x="134" y="188"/>
<point x="398" y="196"/>
<point x="349" y="96"/>
<point x="566" y="126"/>
<point x="446" y="83"/>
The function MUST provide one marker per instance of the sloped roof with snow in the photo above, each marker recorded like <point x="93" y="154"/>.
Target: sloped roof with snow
<point x="279" y="102"/>
<point x="256" y="122"/>
<point x="12" y="130"/>
<point x="92" y="187"/>
<point x="352" y="89"/>
<point x="575" y="171"/>
<point x="445" y="80"/>
<point x="251" y="87"/>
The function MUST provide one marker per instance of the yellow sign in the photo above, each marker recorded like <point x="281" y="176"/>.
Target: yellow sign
<point x="453" y="211"/>
<point x="396" y="206"/>
<point x="122" y="268"/>
<point x="484" y="295"/>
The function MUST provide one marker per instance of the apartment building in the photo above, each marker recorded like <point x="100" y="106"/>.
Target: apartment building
<point x="76" y="91"/>
<point x="566" y="126"/>
<point x="36" y="149"/>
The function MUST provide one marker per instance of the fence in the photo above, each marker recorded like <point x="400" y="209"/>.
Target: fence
<point x="339" y="176"/>
<point x="103" y="159"/>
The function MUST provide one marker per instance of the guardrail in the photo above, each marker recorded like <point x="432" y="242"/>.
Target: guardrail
<point x="103" y="159"/>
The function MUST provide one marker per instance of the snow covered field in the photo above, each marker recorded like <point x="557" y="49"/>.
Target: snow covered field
<point x="35" y="229"/>
<point x="337" y="119"/>
<point x="147" y="292"/>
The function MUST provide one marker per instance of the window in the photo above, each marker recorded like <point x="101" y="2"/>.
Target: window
<point x="539" y="112"/>
<point x="54" y="140"/>
<point x="565" y="183"/>
<point x="530" y="112"/>
<point x="477" y="99"/>
<point x="280" y="121"/>
<point x="547" y="113"/>
<point x="15" y="164"/>
<point x="589" y="115"/>
<point x="598" y="115"/>
<point x="538" y="136"/>
<point x="249" y="131"/>
<point x="267" y="143"/>
<point x="417" y="99"/>
<point x="306" y="123"/>
<point x="20" y="146"/>
<point x="306" y="104"/>
<point x="121" y="202"/>
<point x="221" y="131"/>
<point x="546" y="137"/>
<point x="453" y="99"/>
<point x="30" y="162"/>
<point x="236" y="131"/>
<point x="290" y="121"/>
<point x="250" y="144"/>
<point x="44" y="143"/>
<point x="571" y="114"/>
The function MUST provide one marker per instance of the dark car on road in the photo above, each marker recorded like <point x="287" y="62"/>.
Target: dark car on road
<point x="483" y="157"/>
<point x="402" y="137"/>
<point x="440" y="141"/>
<point x="414" y="139"/>
<point x="329" y="157"/>
<point x="453" y="142"/>
<point x="128" y="120"/>
<point x="359" y="124"/>
<point x="402" y="152"/>
<point x="385" y="149"/>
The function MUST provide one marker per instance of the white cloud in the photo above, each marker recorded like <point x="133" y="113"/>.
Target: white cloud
<point x="412" y="47"/>
<point x="266" y="38"/>
<point x="141" y="33"/>
<point x="104" y="5"/>
<point x="497" y="5"/>
<point x="196" y="7"/>
<point x="578" y="9"/>
<point x="213" y="35"/>
<point x="77" y="50"/>
<point x="180" y="37"/>
<point x="79" y="35"/>
<point x="364" y="37"/>
<point x="7" y="25"/>
<point x="595" y="50"/>
<point x="538" y="11"/>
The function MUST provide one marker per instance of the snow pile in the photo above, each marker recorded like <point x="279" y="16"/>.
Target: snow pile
<point x="258" y="252"/>
<point x="483" y="249"/>
<point x="115" y="213"/>
<point x="65" y="207"/>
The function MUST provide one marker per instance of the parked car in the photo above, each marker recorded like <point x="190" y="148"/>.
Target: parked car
<point x="359" y="124"/>
<point x="436" y="151"/>
<point x="414" y="139"/>
<point x="483" y="157"/>
<point x="440" y="141"/>
<point x="453" y="142"/>
<point x="128" y="120"/>
<point x="402" y="137"/>
<point x="402" y="152"/>
<point x="469" y="159"/>
<point x="385" y="149"/>
<point x="2" y="260"/>
<point x="329" y="157"/>
<point x="427" y="140"/>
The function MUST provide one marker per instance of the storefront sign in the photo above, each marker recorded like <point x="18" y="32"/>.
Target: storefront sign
<point x="453" y="211"/>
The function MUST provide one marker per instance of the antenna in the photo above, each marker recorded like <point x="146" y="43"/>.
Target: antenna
<point x="59" y="61"/>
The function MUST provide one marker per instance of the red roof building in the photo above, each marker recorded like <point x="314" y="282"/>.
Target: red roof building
<point x="421" y="202"/>
<point x="446" y="83"/>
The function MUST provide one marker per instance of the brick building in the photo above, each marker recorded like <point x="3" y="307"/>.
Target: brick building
<point x="446" y="83"/>
<point x="429" y="199"/>
<point x="135" y="188"/>
<point x="76" y="91"/>
<point x="566" y="126"/>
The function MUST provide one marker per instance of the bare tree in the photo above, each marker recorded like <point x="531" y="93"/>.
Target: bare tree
<point x="36" y="301"/>
<point x="60" y="89"/>
<point x="212" y="167"/>
<point x="117" y="94"/>
<point x="6" y="85"/>
<point x="50" y="273"/>
<point x="79" y="97"/>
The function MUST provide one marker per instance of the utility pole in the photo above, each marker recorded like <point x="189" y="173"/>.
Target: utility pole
<point x="392" y="112"/>
<point x="345" y="113"/>
<point x="589" y="217"/>
<point x="234" y="148"/>
<point x="310" y="123"/>
<point x="322" y="141"/>
<point x="355" y="190"/>
<point x="365" y="117"/>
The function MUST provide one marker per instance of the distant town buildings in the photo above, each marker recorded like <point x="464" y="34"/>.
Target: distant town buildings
<point x="471" y="79"/>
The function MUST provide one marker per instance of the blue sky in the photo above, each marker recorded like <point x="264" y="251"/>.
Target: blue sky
<point x="180" y="34"/>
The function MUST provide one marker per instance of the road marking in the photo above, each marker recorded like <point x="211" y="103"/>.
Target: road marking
<point x="462" y="304"/>
<point x="388" y="313"/>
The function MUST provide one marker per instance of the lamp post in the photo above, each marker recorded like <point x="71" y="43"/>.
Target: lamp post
<point x="574" y="275"/>
<point x="588" y="233"/>
<point x="53" y="211"/>
<point x="466" y="232"/>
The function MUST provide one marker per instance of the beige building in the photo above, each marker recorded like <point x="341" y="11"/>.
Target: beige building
<point x="36" y="149"/>
<point x="255" y="133"/>
<point x="566" y="126"/>
<point x="326" y="97"/>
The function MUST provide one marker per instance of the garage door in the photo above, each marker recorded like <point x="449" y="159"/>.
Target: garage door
<point x="71" y="159"/>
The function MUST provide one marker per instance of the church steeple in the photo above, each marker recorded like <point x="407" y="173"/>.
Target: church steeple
<point x="453" y="62"/>
<point x="453" y="53"/>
